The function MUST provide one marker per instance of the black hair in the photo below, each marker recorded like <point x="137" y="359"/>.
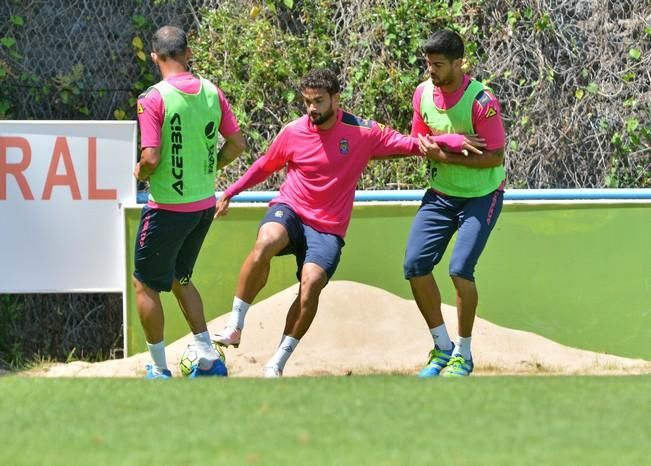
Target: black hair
<point x="444" y="42"/>
<point x="319" y="78"/>
<point x="169" y="42"/>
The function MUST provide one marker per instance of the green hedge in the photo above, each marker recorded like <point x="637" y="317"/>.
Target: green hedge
<point x="258" y="54"/>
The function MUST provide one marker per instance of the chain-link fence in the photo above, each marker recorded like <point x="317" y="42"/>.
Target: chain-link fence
<point x="75" y="59"/>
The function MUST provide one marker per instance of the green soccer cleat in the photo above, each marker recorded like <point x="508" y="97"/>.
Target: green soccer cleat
<point x="458" y="367"/>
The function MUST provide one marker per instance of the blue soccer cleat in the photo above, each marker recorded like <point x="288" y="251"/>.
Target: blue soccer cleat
<point x="218" y="369"/>
<point x="458" y="367"/>
<point x="154" y="374"/>
<point x="436" y="361"/>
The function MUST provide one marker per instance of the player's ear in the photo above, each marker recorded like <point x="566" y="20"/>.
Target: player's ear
<point x="465" y="65"/>
<point x="335" y="100"/>
<point x="188" y="59"/>
<point x="154" y="57"/>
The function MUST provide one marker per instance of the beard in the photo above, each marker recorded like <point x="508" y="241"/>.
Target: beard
<point x="444" y="81"/>
<point x="320" y="118"/>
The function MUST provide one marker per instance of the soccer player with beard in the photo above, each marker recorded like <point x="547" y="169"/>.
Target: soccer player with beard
<point x="325" y="153"/>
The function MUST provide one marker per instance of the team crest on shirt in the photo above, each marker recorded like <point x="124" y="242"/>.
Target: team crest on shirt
<point x="141" y="109"/>
<point x="278" y="214"/>
<point x="343" y="147"/>
<point x="483" y="98"/>
<point x="491" y="112"/>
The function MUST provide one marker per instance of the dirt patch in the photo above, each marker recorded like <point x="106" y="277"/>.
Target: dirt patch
<point x="361" y="329"/>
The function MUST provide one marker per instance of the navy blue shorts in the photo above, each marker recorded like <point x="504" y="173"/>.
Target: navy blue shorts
<point x="437" y="219"/>
<point x="167" y="245"/>
<point x="307" y="244"/>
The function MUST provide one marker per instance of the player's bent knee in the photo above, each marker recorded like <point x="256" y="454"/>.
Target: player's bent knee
<point x="313" y="278"/>
<point x="142" y="285"/>
<point x="264" y="251"/>
<point x="414" y="269"/>
<point x="461" y="273"/>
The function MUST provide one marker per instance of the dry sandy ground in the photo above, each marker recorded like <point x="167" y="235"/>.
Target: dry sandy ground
<point x="361" y="329"/>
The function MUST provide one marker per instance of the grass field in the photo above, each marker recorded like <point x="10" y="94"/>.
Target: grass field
<point x="375" y="420"/>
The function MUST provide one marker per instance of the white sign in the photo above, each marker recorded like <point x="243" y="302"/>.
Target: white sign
<point x="62" y="186"/>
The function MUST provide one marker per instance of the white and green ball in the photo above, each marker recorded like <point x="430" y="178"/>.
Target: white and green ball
<point x="190" y="358"/>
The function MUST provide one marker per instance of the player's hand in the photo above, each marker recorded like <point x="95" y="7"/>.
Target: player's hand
<point x="472" y="144"/>
<point x="222" y="206"/>
<point x="136" y="173"/>
<point x="429" y="148"/>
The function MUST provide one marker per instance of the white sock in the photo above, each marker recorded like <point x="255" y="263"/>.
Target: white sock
<point x="441" y="337"/>
<point x="238" y="313"/>
<point x="205" y="350"/>
<point x="463" y="347"/>
<point x="284" y="351"/>
<point x="157" y="352"/>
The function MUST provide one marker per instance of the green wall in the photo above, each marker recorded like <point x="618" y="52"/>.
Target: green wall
<point x="575" y="273"/>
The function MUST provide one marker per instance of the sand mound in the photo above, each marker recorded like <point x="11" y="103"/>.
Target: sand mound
<point x="361" y="329"/>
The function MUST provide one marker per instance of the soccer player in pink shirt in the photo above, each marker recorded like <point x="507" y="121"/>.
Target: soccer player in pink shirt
<point x="325" y="153"/>
<point x="465" y="195"/>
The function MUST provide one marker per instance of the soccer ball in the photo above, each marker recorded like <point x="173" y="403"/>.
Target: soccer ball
<point x="190" y="358"/>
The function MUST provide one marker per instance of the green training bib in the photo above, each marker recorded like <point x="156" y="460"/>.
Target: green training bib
<point x="458" y="180"/>
<point x="189" y="137"/>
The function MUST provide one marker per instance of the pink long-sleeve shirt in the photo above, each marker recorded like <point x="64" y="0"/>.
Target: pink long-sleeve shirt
<point x="324" y="166"/>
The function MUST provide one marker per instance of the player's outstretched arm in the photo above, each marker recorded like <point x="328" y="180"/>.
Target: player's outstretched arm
<point x="273" y="160"/>
<point x="463" y="144"/>
<point x="222" y="205"/>
<point x="391" y="144"/>
<point x="485" y="159"/>
<point x="257" y="173"/>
